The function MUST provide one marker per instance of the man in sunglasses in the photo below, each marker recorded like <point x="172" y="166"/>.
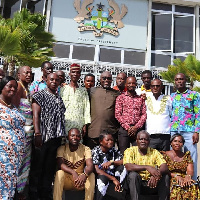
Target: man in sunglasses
<point x="102" y="99"/>
<point x="158" y="121"/>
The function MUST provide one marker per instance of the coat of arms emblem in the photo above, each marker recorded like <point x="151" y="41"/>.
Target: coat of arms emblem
<point x="98" y="19"/>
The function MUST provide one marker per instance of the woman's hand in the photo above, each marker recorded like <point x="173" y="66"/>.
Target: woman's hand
<point x="117" y="185"/>
<point x="180" y="181"/>
<point x="106" y="165"/>
<point x="188" y="181"/>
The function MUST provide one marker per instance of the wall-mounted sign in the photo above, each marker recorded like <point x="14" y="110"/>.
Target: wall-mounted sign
<point x="102" y="20"/>
<point x="115" y="23"/>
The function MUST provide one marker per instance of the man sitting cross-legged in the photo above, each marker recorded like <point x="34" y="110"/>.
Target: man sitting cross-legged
<point x="75" y="167"/>
<point x="147" y="169"/>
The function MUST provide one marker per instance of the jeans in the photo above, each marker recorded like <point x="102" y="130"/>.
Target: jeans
<point x="189" y="146"/>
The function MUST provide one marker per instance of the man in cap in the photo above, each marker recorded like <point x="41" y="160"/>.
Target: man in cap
<point x="76" y="102"/>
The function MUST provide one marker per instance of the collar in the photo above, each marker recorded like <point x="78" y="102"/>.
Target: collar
<point x="126" y="93"/>
<point x="182" y="92"/>
<point x="144" y="89"/>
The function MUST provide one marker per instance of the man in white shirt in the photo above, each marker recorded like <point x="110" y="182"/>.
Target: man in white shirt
<point x="145" y="89"/>
<point x="158" y="117"/>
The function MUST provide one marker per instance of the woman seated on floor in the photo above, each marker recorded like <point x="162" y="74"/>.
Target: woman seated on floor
<point x="109" y="168"/>
<point x="181" y="169"/>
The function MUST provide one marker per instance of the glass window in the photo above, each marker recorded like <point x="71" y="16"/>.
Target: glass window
<point x="83" y="53"/>
<point x="161" y="32"/>
<point x="180" y="57"/>
<point x="61" y="50"/>
<point x="160" y="6"/>
<point x="110" y="55"/>
<point x="134" y="58"/>
<point x="10" y="7"/>
<point x="184" y="9"/>
<point x="160" y="60"/>
<point x="36" y="6"/>
<point x="183" y="34"/>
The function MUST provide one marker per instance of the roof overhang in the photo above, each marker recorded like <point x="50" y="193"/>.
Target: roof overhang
<point x="180" y="2"/>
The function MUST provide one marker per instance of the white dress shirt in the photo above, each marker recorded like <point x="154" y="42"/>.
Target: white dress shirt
<point x="158" y="114"/>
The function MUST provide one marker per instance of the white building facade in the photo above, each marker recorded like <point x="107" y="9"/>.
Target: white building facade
<point x="153" y="34"/>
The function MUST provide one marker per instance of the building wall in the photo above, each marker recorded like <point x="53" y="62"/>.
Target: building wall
<point x="156" y="32"/>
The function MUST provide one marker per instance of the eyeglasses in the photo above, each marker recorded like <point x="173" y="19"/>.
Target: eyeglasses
<point x="155" y="85"/>
<point x="108" y="78"/>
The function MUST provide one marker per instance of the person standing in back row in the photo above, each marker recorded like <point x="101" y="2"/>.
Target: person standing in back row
<point x="159" y="108"/>
<point x="102" y="110"/>
<point x="130" y="111"/>
<point x="145" y="89"/>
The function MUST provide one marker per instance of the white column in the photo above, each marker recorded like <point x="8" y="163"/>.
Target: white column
<point x="197" y="42"/>
<point x="149" y="35"/>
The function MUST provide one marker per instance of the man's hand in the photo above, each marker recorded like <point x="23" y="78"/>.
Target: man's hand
<point x="154" y="172"/>
<point x="106" y="165"/>
<point x="143" y="96"/>
<point x="132" y="131"/>
<point x="38" y="140"/>
<point x="80" y="181"/>
<point x="195" y="138"/>
<point x="75" y="176"/>
<point x="117" y="185"/>
<point x="152" y="183"/>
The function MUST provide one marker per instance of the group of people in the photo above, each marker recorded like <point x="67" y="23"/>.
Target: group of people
<point x="48" y="126"/>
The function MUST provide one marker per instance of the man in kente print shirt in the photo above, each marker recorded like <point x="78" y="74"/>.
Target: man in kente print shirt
<point x="186" y="116"/>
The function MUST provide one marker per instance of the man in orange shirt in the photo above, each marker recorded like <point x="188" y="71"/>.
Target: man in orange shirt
<point x="120" y="81"/>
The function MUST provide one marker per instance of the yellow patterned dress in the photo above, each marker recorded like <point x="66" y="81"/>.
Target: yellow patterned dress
<point x="176" y="192"/>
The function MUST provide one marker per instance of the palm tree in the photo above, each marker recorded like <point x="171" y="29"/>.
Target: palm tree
<point x="28" y="43"/>
<point x="190" y="67"/>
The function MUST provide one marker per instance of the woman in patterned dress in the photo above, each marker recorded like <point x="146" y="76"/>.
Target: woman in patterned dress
<point x="12" y="138"/>
<point x="181" y="168"/>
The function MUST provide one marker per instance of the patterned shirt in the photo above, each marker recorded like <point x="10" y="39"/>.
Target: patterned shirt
<point x="37" y="86"/>
<point x="185" y="111"/>
<point x="130" y="111"/>
<point x="52" y="115"/>
<point x="153" y="158"/>
<point x="99" y="157"/>
<point x="77" y="107"/>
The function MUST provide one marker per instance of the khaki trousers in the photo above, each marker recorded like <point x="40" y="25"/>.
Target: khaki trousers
<point x="64" y="181"/>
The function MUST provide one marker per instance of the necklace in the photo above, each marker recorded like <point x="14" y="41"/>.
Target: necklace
<point x="8" y="105"/>
<point x="26" y="91"/>
<point x="162" y="105"/>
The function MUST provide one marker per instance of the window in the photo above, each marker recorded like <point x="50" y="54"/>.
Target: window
<point x="83" y="53"/>
<point x="172" y="33"/>
<point x="161" y="31"/>
<point x="10" y="7"/>
<point x="110" y="55"/>
<point x="134" y="58"/>
<point x="36" y="6"/>
<point x="61" y="50"/>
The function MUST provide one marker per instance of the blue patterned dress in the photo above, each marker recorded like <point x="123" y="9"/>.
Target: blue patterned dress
<point x="12" y="141"/>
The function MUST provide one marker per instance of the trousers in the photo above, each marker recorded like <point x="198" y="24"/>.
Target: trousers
<point x="137" y="185"/>
<point x="64" y="181"/>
